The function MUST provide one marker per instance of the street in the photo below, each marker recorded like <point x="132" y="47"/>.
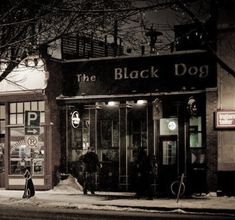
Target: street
<point x="28" y="213"/>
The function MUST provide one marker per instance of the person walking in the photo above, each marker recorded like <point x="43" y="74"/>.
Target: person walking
<point x="143" y="175"/>
<point x="91" y="166"/>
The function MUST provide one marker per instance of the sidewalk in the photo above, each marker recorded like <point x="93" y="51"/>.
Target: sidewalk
<point x="118" y="201"/>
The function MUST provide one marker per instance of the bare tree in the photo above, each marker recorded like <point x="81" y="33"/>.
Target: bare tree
<point x="28" y="25"/>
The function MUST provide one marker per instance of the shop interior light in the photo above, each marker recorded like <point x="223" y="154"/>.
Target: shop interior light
<point x="113" y="103"/>
<point x="141" y="102"/>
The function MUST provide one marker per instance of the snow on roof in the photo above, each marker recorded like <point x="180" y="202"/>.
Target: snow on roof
<point x="29" y="75"/>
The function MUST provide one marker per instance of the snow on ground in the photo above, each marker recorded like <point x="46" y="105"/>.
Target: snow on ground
<point x="69" y="194"/>
<point x="68" y="185"/>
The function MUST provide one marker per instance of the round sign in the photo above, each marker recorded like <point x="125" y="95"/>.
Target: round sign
<point x="172" y="125"/>
<point x="31" y="141"/>
<point x="75" y="119"/>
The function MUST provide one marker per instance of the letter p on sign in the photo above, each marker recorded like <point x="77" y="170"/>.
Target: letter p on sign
<point x="32" y="118"/>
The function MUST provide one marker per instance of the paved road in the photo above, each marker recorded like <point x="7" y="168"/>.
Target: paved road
<point x="29" y="213"/>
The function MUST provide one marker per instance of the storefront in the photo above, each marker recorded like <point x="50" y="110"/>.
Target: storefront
<point x="26" y="126"/>
<point x="160" y="103"/>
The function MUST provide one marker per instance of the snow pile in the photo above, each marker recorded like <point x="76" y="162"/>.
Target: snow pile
<point x="69" y="185"/>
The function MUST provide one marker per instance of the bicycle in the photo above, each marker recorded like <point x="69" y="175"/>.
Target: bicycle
<point x="178" y="187"/>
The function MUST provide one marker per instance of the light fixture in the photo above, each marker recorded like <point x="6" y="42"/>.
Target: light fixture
<point x="113" y="103"/>
<point x="192" y="106"/>
<point x="141" y="102"/>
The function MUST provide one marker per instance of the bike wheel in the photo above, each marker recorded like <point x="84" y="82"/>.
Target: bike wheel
<point x="175" y="187"/>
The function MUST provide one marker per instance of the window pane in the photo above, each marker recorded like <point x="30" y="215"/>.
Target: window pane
<point x="195" y="140"/>
<point x="12" y="107"/>
<point x="34" y="106"/>
<point x="169" y="152"/>
<point x="13" y="119"/>
<point x="195" y="122"/>
<point x="2" y="111"/>
<point x="41" y="106"/>
<point x="42" y="117"/>
<point x="198" y="156"/>
<point x="20" y="119"/>
<point x="105" y="133"/>
<point x="19" y="107"/>
<point x="2" y="127"/>
<point x="27" y="106"/>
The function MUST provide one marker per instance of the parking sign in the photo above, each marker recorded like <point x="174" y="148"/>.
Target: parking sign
<point x="32" y="122"/>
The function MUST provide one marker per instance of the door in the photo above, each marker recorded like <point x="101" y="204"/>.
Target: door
<point x="168" y="163"/>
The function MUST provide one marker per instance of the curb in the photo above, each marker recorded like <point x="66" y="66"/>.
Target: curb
<point x="198" y="211"/>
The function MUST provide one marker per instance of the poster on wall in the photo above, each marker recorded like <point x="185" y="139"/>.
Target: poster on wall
<point x="225" y="119"/>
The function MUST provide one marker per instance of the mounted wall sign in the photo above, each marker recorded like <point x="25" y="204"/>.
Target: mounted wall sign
<point x="225" y="119"/>
<point x="75" y="119"/>
<point x="172" y="125"/>
<point x="190" y="71"/>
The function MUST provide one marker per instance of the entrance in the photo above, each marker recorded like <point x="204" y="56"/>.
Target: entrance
<point x="181" y="147"/>
<point x="168" y="163"/>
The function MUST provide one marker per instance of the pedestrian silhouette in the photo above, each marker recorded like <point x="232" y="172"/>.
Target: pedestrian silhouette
<point x="143" y="175"/>
<point x="91" y="165"/>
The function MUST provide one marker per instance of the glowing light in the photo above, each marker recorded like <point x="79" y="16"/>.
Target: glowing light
<point x="172" y="125"/>
<point x="141" y="102"/>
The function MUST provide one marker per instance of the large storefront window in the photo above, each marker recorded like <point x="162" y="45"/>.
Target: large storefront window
<point x="108" y="133"/>
<point x="137" y="128"/>
<point x="137" y="136"/>
<point x="80" y="138"/>
<point x="108" y="145"/>
<point x="21" y="154"/>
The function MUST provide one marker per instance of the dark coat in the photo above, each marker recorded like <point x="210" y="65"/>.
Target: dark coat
<point x="91" y="161"/>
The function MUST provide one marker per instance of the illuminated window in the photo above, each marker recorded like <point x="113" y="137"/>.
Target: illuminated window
<point x="21" y="153"/>
<point x="17" y="111"/>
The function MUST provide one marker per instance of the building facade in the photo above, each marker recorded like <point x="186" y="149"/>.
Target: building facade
<point x="164" y="104"/>
<point x="178" y="107"/>
<point x="28" y="117"/>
